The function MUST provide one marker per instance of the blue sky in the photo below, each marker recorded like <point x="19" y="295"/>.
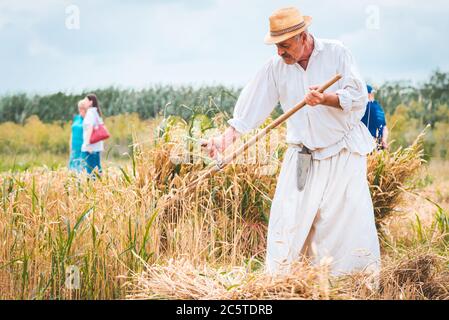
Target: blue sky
<point x="138" y="43"/>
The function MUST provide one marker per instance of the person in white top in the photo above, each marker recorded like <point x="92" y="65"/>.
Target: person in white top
<point x="322" y="206"/>
<point x="91" y="153"/>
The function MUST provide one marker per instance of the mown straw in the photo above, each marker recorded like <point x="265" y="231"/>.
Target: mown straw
<point x="417" y="276"/>
<point x="180" y="279"/>
<point x="390" y="173"/>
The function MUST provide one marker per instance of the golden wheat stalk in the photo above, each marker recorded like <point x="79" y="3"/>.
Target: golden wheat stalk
<point x="219" y="165"/>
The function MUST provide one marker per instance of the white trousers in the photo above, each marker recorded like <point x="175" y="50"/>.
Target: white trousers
<point x="332" y="217"/>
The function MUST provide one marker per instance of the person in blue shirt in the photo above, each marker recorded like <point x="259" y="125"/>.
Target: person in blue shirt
<point x="374" y="119"/>
<point x="76" y="139"/>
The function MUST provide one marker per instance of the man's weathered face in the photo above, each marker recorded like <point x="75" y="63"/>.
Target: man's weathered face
<point x="291" y="50"/>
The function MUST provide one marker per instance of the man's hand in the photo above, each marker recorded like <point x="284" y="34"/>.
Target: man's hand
<point x="314" y="97"/>
<point x="384" y="143"/>
<point x="216" y="145"/>
<point x="385" y="138"/>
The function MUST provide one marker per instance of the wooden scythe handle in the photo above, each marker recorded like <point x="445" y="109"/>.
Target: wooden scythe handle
<point x="217" y="166"/>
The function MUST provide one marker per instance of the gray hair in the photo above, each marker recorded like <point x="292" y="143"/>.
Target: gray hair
<point x="306" y="31"/>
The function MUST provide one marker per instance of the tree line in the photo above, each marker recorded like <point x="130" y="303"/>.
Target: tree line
<point x="409" y="107"/>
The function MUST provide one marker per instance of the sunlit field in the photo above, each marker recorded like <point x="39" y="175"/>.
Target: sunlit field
<point x="127" y="171"/>
<point x="134" y="233"/>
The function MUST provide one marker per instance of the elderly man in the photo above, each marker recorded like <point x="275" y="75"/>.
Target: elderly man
<point x="322" y="206"/>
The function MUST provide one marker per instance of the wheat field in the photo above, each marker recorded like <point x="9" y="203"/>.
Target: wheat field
<point x="125" y="241"/>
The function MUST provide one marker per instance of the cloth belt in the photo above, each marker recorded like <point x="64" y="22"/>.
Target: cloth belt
<point x="303" y="148"/>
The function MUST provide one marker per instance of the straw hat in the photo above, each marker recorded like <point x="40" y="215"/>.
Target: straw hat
<point x="286" y="23"/>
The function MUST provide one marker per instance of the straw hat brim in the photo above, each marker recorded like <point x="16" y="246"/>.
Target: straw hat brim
<point x="269" y="39"/>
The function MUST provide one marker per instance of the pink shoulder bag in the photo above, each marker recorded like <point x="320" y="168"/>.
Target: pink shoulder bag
<point x="99" y="133"/>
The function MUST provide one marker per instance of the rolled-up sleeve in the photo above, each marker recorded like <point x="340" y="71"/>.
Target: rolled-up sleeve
<point x="353" y="94"/>
<point x="256" y="101"/>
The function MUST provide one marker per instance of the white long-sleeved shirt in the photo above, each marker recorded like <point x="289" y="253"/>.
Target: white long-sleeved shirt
<point x="324" y="130"/>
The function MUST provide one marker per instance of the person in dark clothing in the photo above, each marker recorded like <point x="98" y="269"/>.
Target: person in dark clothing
<point x="374" y="119"/>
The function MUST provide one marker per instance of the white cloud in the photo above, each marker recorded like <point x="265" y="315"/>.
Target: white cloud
<point x="136" y="43"/>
